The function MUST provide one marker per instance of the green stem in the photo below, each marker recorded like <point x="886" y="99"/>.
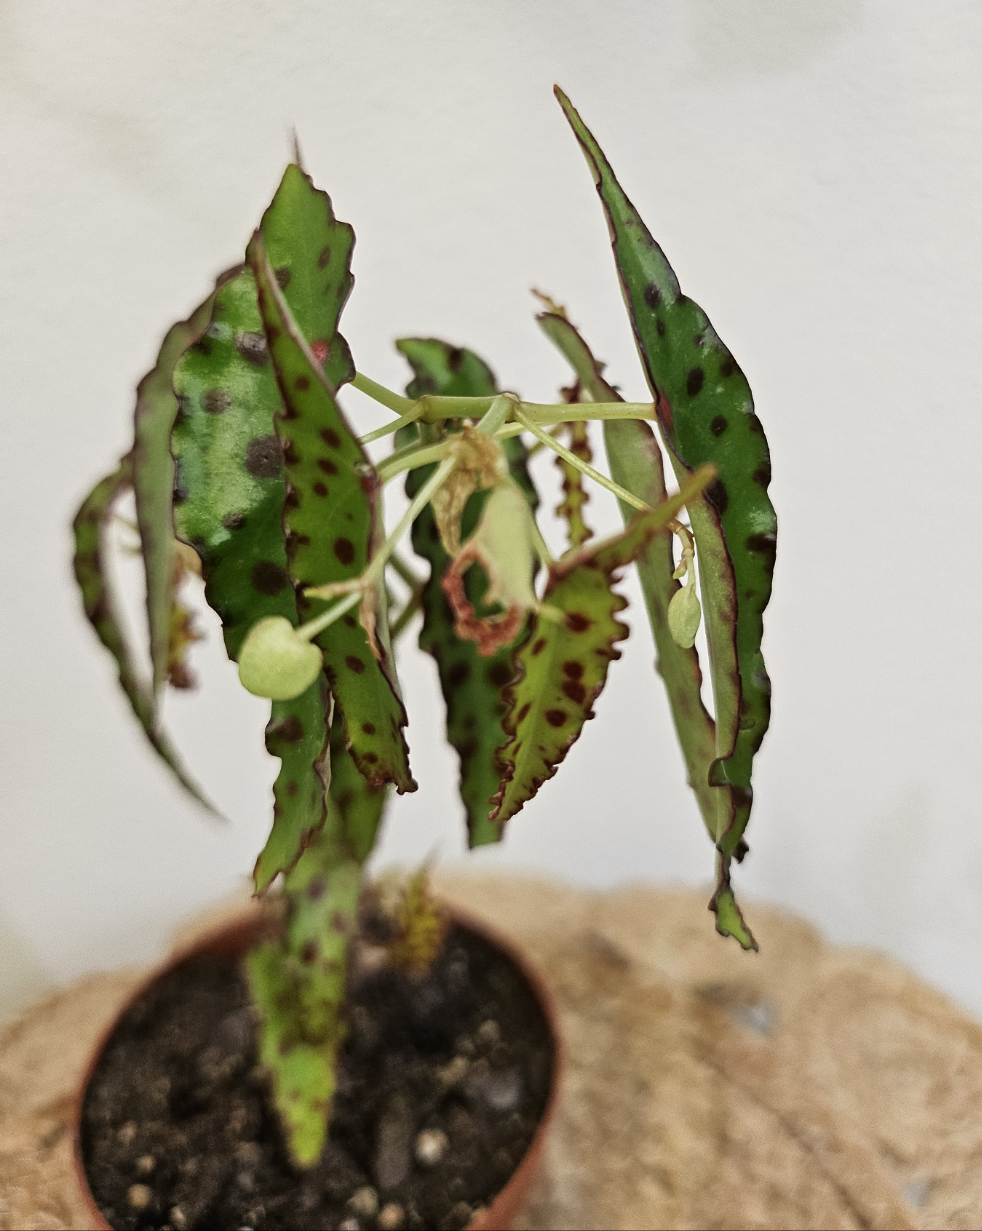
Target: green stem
<point x="550" y="442"/>
<point x="413" y="604"/>
<point x="394" y="401"/>
<point x="410" y="458"/>
<point x="546" y="413"/>
<point x="310" y="630"/>
<point x="420" y="501"/>
<point x="403" y="421"/>
<point x="497" y="413"/>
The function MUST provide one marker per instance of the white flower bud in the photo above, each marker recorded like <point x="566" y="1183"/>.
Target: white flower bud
<point x="276" y="662"/>
<point x="684" y="615"/>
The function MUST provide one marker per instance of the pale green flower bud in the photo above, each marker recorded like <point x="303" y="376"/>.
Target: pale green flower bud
<point x="276" y="662"/>
<point x="684" y="615"/>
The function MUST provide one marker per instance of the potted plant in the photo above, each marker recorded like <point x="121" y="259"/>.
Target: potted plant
<point x="372" y="1061"/>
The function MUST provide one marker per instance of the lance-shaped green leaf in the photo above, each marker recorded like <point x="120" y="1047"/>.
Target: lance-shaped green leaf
<point x="153" y="479"/>
<point x="706" y="414"/>
<point x="332" y="524"/>
<point x="298" y="985"/>
<point x="230" y="486"/>
<point x="562" y="666"/>
<point x="355" y="807"/>
<point x="93" y="575"/>
<point x="471" y="685"/>
<point x="636" y="464"/>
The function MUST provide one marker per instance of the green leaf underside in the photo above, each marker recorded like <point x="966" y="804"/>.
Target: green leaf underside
<point x="298" y="985"/>
<point x="561" y="667"/>
<point x="230" y="484"/>
<point x="705" y="412"/>
<point x="94" y="581"/>
<point x="636" y="464"/>
<point x="331" y="519"/>
<point x="153" y="479"/>
<point x="471" y="685"/>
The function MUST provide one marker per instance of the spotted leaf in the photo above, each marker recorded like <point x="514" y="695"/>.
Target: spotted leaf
<point x="355" y="808"/>
<point x="153" y="480"/>
<point x="298" y="986"/>
<point x="635" y="463"/>
<point x="94" y="579"/>
<point x="230" y="485"/>
<point x="706" y="414"/>
<point x="471" y="685"/>
<point x="562" y="666"/>
<point x="332" y="524"/>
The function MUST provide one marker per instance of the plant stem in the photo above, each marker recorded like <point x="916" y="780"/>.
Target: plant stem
<point x="409" y="459"/>
<point x="394" y="401"/>
<point x="550" y="442"/>
<point x="545" y="413"/>
<point x="420" y="501"/>
<point x="413" y="604"/>
<point x="403" y="421"/>
<point x="310" y="630"/>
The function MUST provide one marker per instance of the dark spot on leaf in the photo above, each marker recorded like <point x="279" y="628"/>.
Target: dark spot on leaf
<point x="324" y="257"/>
<point x="764" y="544"/>
<point x="291" y="788"/>
<point x="327" y="465"/>
<point x="309" y="952"/>
<point x="330" y="437"/>
<point x="499" y="674"/>
<point x="750" y="593"/>
<point x="202" y="347"/>
<point x="555" y="718"/>
<point x="216" y="401"/>
<point x="354" y="664"/>
<point x="282" y="277"/>
<point x="252" y="347"/>
<point x="652" y="295"/>
<point x="576" y="622"/>
<point x="455" y="357"/>
<point x="290" y="730"/>
<point x="368" y="728"/>
<point x="727" y="367"/>
<point x="291" y="500"/>
<point x="344" y="549"/>
<point x="234" y="521"/>
<point x="693" y="382"/>
<point x="264" y="457"/>
<point x="289" y="453"/>
<point x="762" y="474"/>
<point x="269" y="578"/>
<point x="719" y="425"/>
<point x="539" y="646"/>
<point x="316" y="888"/>
<point x="575" y="691"/>
<point x="319" y="489"/>
<point x="302" y="382"/>
<point x="573" y="669"/>
<point x="523" y="711"/>
<point x="718" y="496"/>
<point x="467" y="749"/>
<point x="180" y="493"/>
<point x="755" y="425"/>
<point x="370" y="758"/>
<point x="458" y="673"/>
<point x="349" y="620"/>
<point x="339" y="923"/>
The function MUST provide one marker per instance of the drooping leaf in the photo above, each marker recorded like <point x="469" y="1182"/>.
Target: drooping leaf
<point x="298" y="985"/>
<point x="153" y="479"/>
<point x="706" y="414"/>
<point x="471" y="685"/>
<point x="562" y="666"/>
<point x="93" y="575"/>
<point x="636" y="464"/>
<point x="298" y="734"/>
<point x="332" y="523"/>
<point x="230" y="486"/>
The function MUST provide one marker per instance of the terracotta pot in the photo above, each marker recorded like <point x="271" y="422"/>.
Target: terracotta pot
<point x="236" y="938"/>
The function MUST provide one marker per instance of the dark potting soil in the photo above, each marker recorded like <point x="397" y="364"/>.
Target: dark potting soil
<point x="442" y="1083"/>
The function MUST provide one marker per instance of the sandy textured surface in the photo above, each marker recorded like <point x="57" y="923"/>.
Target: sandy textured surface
<point x="809" y="1086"/>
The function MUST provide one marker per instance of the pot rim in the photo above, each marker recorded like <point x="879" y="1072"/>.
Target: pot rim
<point x="235" y="935"/>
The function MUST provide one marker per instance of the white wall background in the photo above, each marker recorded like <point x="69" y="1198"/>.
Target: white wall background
<point x="812" y="171"/>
